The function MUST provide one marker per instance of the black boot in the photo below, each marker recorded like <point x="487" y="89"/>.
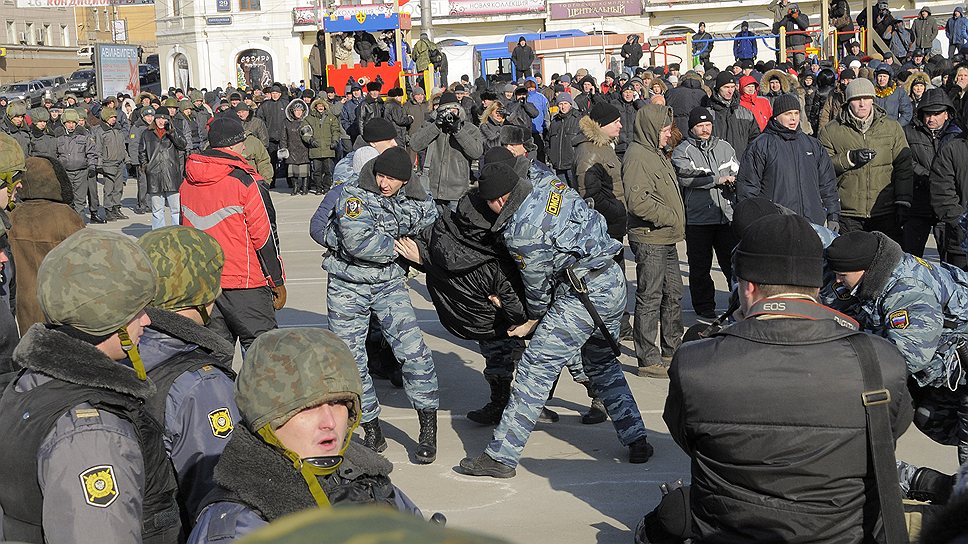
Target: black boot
<point x="640" y="451"/>
<point x="373" y="436"/>
<point x="491" y="413"/>
<point x="596" y="412"/>
<point x="95" y="218"/>
<point x="109" y="214"/>
<point x="118" y="214"/>
<point x="303" y="186"/>
<point x="427" y="443"/>
<point x="293" y="187"/>
<point x="484" y="465"/>
<point x="929" y="485"/>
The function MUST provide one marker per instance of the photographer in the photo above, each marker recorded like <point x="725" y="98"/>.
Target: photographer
<point x="519" y="111"/>
<point x="451" y="143"/>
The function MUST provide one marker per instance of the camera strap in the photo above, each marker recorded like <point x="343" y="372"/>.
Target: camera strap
<point x="801" y="309"/>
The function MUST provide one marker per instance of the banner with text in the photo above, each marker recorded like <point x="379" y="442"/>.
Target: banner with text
<point x="464" y="8"/>
<point x="595" y="9"/>
<point x="117" y="69"/>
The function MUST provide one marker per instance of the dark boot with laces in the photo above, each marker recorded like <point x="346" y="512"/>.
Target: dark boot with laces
<point x="373" y="436"/>
<point x="485" y="465"/>
<point x="427" y="442"/>
<point x="596" y="412"/>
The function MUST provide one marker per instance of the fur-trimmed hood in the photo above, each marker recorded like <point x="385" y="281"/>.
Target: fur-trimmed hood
<point x="915" y="77"/>
<point x="186" y="330"/>
<point x="692" y="80"/>
<point x="787" y="82"/>
<point x="662" y="85"/>
<point x="886" y="259"/>
<point x="60" y="356"/>
<point x="591" y="132"/>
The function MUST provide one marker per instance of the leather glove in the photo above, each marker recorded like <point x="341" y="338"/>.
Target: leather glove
<point x="278" y="297"/>
<point x="833" y="226"/>
<point x="860" y="157"/>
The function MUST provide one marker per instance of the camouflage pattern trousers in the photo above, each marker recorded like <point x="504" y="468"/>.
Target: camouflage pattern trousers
<point x="349" y="306"/>
<point x="565" y="331"/>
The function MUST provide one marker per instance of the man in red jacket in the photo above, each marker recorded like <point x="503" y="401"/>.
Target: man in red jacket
<point x="222" y="195"/>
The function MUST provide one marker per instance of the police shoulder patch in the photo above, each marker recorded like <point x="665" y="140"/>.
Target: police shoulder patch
<point x="923" y="263"/>
<point x="898" y="319"/>
<point x="354" y="207"/>
<point x="520" y="260"/>
<point x="221" y="421"/>
<point x="98" y="485"/>
<point x="554" y="203"/>
<point x="558" y="184"/>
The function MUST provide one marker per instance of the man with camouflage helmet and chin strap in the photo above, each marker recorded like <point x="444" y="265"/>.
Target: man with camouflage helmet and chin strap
<point x="77" y="152"/>
<point x="85" y="443"/>
<point x="299" y="396"/>
<point x="190" y="365"/>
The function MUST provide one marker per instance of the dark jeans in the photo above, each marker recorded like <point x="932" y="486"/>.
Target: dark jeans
<point x="243" y="314"/>
<point x="501" y="356"/>
<point x="658" y="302"/>
<point x="887" y="224"/>
<point x="914" y="234"/>
<point x="540" y="143"/>
<point x="321" y="179"/>
<point x="949" y="237"/>
<point x="701" y="242"/>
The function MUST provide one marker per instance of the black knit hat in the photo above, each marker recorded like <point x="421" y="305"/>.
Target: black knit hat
<point x="780" y="250"/>
<point x="698" y="115"/>
<point x="497" y="180"/>
<point x="784" y="103"/>
<point x="604" y="113"/>
<point x="395" y="163"/>
<point x="447" y="98"/>
<point x="750" y="210"/>
<point x="498" y="154"/>
<point x="852" y="252"/>
<point x="378" y="129"/>
<point x="724" y="78"/>
<point x="225" y="131"/>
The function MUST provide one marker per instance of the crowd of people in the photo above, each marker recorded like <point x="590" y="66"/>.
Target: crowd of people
<point x="815" y="184"/>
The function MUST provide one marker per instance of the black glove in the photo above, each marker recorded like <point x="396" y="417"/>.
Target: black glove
<point x="91" y="171"/>
<point x="860" y="157"/>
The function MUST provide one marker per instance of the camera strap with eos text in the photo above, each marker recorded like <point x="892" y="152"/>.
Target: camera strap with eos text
<point x="802" y="309"/>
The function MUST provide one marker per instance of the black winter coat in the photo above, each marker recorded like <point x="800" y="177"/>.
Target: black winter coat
<point x="564" y="128"/>
<point x="627" y="115"/>
<point x="683" y="99"/>
<point x="632" y="52"/>
<point x="586" y="101"/>
<point x="163" y="160"/>
<point x="777" y="434"/>
<point x="731" y="122"/>
<point x="273" y="114"/>
<point x="292" y="141"/>
<point x="924" y="148"/>
<point x="949" y="180"/>
<point x="791" y="169"/>
<point x="522" y="57"/>
<point x="465" y="263"/>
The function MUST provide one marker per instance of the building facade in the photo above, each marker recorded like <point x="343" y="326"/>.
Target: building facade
<point x="36" y="42"/>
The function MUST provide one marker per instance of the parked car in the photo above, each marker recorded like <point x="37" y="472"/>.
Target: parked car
<point x="55" y="87"/>
<point x="31" y="92"/>
<point x="82" y="81"/>
<point x="150" y="78"/>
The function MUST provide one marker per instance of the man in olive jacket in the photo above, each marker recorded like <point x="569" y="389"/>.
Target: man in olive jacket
<point x="656" y="223"/>
<point x="872" y="162"/>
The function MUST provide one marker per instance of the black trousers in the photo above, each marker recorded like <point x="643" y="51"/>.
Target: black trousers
<point x="321" y="175"/>
<point x="701" y="242"/>
<point x="914" y="234"/>
<point x="887" y="224"/>
<point x="243" y="314"/>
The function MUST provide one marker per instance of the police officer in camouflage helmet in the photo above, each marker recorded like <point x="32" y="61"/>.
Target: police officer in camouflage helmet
<point x="299" y="397"/>
<point x="85" y="443"/>
<point x="190" y="365"/>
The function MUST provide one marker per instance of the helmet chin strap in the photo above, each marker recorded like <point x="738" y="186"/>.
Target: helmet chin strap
<point x="203" y="312"/>
<point x="132" y="351"/>
<point x="310" y="471"/>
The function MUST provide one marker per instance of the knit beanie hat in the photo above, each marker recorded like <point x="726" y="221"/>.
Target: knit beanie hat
<point x="378" y="129"/>
<point x="498" y="154"/>
<point x="698" y="115"/>
<point x="852" y="252"/>
<point x="95" y="281"/>
<point x="780" y="250"/>
<point x="290" y="370"/>
<point x="748" y="211"/>
<point x="565" y="97"/>
<point x="724" y="78"/>
<point x="395" y="163"/>
<point x="604" y="113"/>
<point x="189" y="264"/>
<point x="859" y="88"/>
<point x="497" y="179"/>
<point x="447" y="98"/>
<point x="225" y="131"/>
<point x="784" y="103"/>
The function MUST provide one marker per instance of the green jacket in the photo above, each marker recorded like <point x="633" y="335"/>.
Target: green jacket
<point x="325" y="133"/>
<point x="257" y="155"/>
<point x="421" y="53"/>
<point x="873" y="189"/>
<point x="656" y="214"/>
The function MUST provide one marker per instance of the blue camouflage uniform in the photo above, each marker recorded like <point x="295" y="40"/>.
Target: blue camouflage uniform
<point x="365" y="275"/>
<point x="922" y="308"/>
<point x="548" y="228"/>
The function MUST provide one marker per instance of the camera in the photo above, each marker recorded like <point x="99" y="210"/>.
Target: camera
<point x="447" y="120"/>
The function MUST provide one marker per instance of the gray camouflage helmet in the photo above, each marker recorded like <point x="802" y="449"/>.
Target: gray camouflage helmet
<point x="95" y="281"/>
<point x="290" y="370"/>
